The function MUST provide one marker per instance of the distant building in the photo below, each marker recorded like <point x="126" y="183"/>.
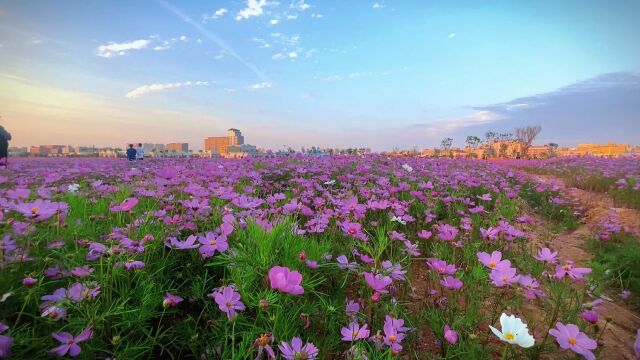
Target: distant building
<point x="217" y="145"/>
<point x="235" y="137"/>
<point x="606" y="150"/>
<point x="178" y="147"/>
<point x="153" y="147"/>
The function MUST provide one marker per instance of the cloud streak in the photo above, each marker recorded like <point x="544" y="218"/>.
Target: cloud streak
<point x="214" y="39"/>
<point x="113" y="49"/>
<point x="154" y="88"/>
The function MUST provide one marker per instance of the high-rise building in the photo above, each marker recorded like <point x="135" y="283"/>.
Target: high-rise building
<point x="178" y="147"/>
<point x="235" y="137"/>
<point x="217" y="144"/>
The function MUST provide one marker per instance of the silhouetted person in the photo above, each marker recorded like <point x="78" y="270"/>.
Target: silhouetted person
<point x="4" y="145"/>
<point x="131" y="153"/>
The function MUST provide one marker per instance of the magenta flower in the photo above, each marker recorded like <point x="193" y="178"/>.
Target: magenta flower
<point x="502" y="277"/>
<point x="451" y="336"/>
<point x="171" y="300"/>
<point x="424" y="234"/>
<point x="353" y="229"/>
<point x="530" y="286"/>
<point x="228" y="300"/>
<point x="441" y="266"/>
<point x="352" y="308"/>
<point x="394" y="333"/>
<point x="131" y="265"/>
<point x="296" y="351"/>
<point x="546" y="255"/>
<point x="29" y="281"/>
<point x="574" y="273"/>
<point x="353" y="332"/>
<point x="570" y="337"/>
<point x="212" y="243"/>
<point x="69" y="343"/>
<point x="39" y="210"/>
<point x="377" y="283"/>
<point x="5" y="342"/>
<point x="125" y="206"/>
<point x="82" y="271"/>
<point x="590" y="316"/>
<point x="263" y="344"/>
<point x="285" y="280"/>
<point x="493" y="261"/>
<point x="189" y="243"/>
<point x="447" y="232"/>
<point x="451" y="283"/>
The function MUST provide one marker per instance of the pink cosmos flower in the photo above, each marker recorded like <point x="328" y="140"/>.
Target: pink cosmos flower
<point x="530" y="286"/>
<point x="354" y="332"/>
<point x="447" y="232"/>
<point x="546" y="255"/>
<point x="39" y="210"/>
<point x="590" y="316"/>
<point x="450" y="335"/>
<point x="171" y="300"/>
<point x="441" y="266"/>
<point x="212" y="243"/>
<point x="451" y="283"/>
<point x="503" y="276"/>
<point x="394" y="333"/>
<point x="69" y="343"/>
<point x="574" y="273"/>
<point x="5" y="342"/>
<point x="29" y="281"/>
<point x="493" y="261"/>
<point x="228" y="300"/>
<point x="377" y="283"/>
<point x="125" y="206"/>
<point x="296" y="350"/>
<point x="570" y="337"/>
<point x="424" y="234"/>
<point x="285" y="280"/>
<point x="353" y="229"/>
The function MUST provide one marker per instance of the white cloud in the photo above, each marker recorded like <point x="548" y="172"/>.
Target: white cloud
<point x="262" y="85"/>
<point x="448" y="126"/>
<point x="113" y="49"/>
<point x="254" y="8"/>
<point x="451" y="35"/>
<point x="300" y="5"/>
<point x="274" y="21"/>
<point x="378" y="5"/>
<point x="331" y="78"/>
<point x="278" y="56"/>
<point x="217" y="14"/>
<point x="199" y="41"/>
<point x="317" y="16"/>
<point x="34" y="41"/>
<point x="229" y="90"/>
<point x="152" y="88"/>
<point x="293" y="55"/>
<point x="184" y="38"/>
<point x="292" y="16"/>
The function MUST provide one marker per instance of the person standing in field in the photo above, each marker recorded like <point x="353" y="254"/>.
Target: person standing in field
<point x="140" y="152"/>
<point x="4" y="146"/>
<point x="131" y="153"/>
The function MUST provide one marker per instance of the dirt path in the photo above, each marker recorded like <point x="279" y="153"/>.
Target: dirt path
<point x="619" y="335"/>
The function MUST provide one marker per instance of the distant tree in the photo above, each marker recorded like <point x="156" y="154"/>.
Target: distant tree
<point x="502" y="152"/>
<point x="446" y="143"/>
<point x="489" y="136"/>
<point x="526" y="135"/>
<point x="473" y="141"/>
<point x="553" y="148"/>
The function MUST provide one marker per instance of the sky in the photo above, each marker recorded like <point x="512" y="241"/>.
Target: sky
<point x="359" y="73"/>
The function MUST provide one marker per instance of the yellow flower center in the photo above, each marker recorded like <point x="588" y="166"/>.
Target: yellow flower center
<point x="509" y="336"/>
<point x="212" y="243"/>
<point x="504" y="278"/>
<point x="355" y="334"/>
<point x="492" y="264"/>
<point x="262" y="341"/>
<point x="35" y="210"/>
<point x="566" y="267"/>
<point x="70" y="341"/>
<point x="441" y="269"/>
<point x="392" y="338"/>
<point x="572" y="341"/>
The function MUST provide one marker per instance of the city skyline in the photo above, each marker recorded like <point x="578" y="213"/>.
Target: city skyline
<point x="302" y="73"/>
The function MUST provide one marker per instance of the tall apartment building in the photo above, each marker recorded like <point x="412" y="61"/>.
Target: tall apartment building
<point x="235" y="137"/>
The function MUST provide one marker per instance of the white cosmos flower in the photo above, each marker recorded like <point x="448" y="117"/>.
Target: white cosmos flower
<point x="407" y="167"/>
<point x="397" y="219"/>
<point x="74" y="187"/>
<point x="330" y="182"/>
<point x="514" y="331"/>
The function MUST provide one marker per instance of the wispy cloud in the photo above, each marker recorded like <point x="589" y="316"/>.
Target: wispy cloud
<point x="168" y="44"/>
<point x="253" y="9"/>
<point x="153" y="88"/>
<point x="378" y="5"/>
<point x="300" y="5"/>
<point x="448" y="126"/>
<point x="451" y="35"/>
<point x="331" y="78"/>
<point x="262" y="85"/>
<point x="215" y="39"/>
<point x="216" y="15"/>
<point x="112" y="49"/>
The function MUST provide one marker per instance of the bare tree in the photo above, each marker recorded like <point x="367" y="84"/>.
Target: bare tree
<point x="446" y="143"/>
<point x="526" y="135"/>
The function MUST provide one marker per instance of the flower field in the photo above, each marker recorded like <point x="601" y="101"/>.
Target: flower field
<point x="311" y="258"/>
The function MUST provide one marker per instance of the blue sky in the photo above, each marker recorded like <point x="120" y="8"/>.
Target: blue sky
<point x="381" y="74"/>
